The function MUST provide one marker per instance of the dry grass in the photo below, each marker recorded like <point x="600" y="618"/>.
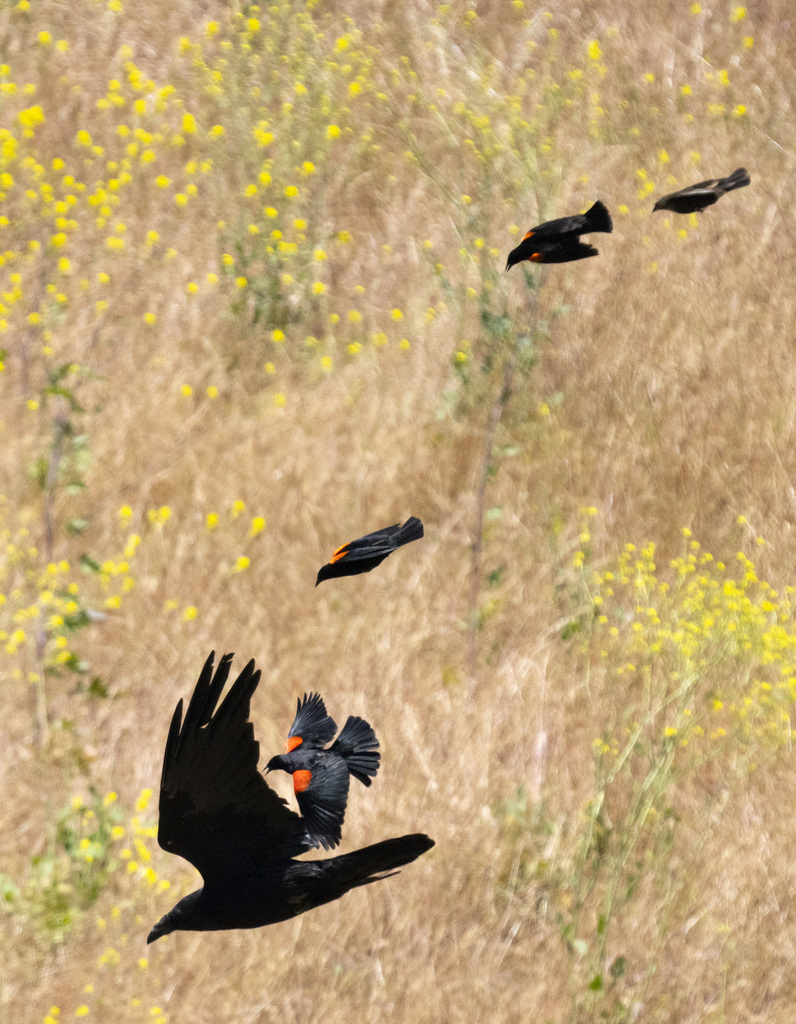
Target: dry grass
<point x="658" y="388"/>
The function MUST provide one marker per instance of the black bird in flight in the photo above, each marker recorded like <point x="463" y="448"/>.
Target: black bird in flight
<point x="320" y="777"/>
<point x="558" y="241"/>
<point x="696" y="198"/>
<point x="366" y="553"/>
<point x="218" y="812"/>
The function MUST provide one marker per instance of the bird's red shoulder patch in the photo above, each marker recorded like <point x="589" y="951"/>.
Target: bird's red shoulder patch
<point x="341" y="551"/>
<point x="292" y="742"/>
<point x="301" y="781"/>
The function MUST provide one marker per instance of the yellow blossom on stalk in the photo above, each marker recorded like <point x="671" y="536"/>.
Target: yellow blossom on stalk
<point x="257" y="526"/>
<point x="241" y="564"/>
<point x="738" y="14"/>
<point x="212" y="520"/>
<point x="594" y="50"/>
<point x="277" y="336"/>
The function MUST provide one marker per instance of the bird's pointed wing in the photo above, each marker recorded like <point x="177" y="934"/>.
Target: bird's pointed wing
<point x="378" y="542"/>
<point x="216" y="809"/>
<point x="312" y="725"/>
<point x="322" y="796"/>
<point x="707" y="186"/>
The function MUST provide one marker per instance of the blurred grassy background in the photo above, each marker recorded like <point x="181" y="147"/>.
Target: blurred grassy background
<point x="253" y="306"/>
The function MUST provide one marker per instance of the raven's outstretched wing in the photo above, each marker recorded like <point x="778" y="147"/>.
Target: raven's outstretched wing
<point x="216" y="809"/>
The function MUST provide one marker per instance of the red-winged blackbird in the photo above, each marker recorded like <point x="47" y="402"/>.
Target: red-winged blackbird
<point x="366" y="553"/>
<point x="320" y="777"/>
<point x="558" y="241"/>
<point x="696" y="198"/>
<point x="218" y="812"/>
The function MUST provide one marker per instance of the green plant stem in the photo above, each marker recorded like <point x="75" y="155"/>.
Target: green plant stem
<point x="493" y="420"/>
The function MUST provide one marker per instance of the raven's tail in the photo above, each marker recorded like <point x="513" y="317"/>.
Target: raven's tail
<point x="370" y="864"/>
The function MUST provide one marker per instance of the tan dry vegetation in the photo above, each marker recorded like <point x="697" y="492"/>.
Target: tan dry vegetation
<point x="661" y="394"/>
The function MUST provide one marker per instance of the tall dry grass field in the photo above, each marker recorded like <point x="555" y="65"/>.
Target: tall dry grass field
<point x="252" y="305"/>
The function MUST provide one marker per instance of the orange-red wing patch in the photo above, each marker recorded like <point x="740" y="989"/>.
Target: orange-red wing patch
<point x="536" y="257"/>
<point x="527" y="236"/>
<point x="301" y="781"/>
<point x="293" y="742"/>
<point x="339" y="554"/>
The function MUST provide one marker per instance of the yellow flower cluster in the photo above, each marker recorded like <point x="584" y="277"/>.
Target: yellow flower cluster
<point x="714" y="644"/>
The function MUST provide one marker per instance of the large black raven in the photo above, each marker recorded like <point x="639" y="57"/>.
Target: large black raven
<point x="218" y="812"/>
